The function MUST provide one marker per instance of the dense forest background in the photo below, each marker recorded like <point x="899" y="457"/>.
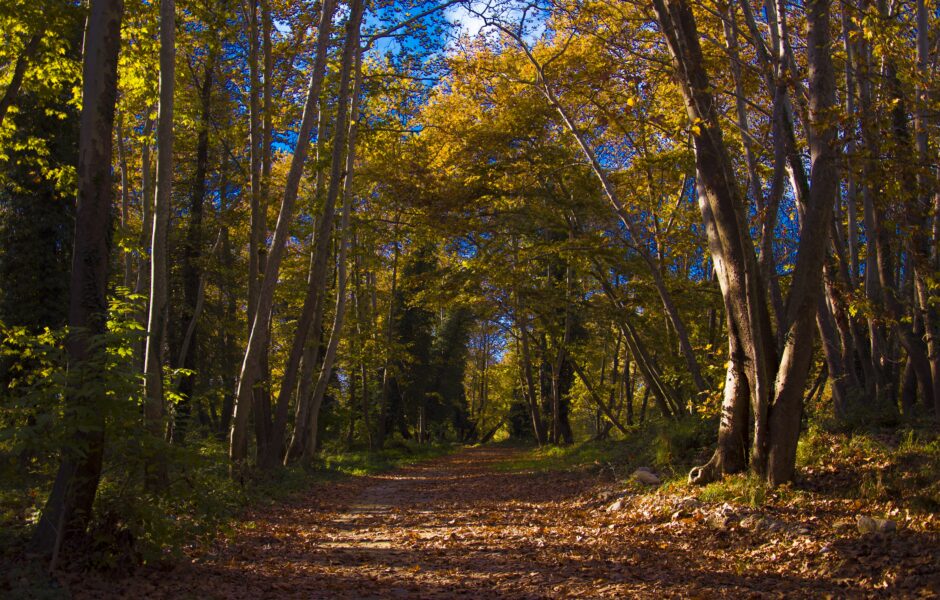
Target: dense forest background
<point x="243" y="235"/>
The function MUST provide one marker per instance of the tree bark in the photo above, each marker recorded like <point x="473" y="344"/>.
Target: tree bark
<point x="344" y="139"/>
<point x="238" y="439"/>
<point x="69" y="505"/>
<point x="156" y="320"/>
<point x="775" y="431"/>
<point x="125" y="198"/>
<point x="193" y="280"/>
<point x="806" y="286"/>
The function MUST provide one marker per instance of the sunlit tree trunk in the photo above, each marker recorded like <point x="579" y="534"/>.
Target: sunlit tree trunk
<point x="341" y="174"/>
<point x="251" y="365"/>
<point x="773" y="435"/>
<point x="156" y="320"/>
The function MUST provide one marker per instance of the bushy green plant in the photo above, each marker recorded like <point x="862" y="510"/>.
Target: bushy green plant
<point x="744" y="488"/>
<point x="678" y="443"/>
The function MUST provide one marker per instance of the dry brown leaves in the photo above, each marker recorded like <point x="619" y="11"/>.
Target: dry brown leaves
<point x="454" y="527"/>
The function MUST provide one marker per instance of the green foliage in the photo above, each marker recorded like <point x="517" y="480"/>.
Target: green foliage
<point x="364" y="462"/>
<point x="669" y="448"/>
<point x="743" y="488"/>
<point x="31" y="402"/>
<point x="557" y="458"/>
<point x="680" y="443"/>
<point x="875" y="464"/>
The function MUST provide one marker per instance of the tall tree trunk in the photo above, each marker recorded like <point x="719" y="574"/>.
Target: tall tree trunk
<point x="361" y="308"/>
<point x="256" y="236"/>
<point x="928" y="194"/>
<point x="314" y="336"/>
<point x="344" y="140"/>
<point x="156" y="320"/>
<point x="146" y="232"/>
<point x="774" y="432"/>
<point x="125" y="199"/>
<point x="384" y="427"/>
<point x="238" y="442"/>
<point x="806" y="286"/>
<point x="70" y="501"/>
<point x="262" y="400"/>
<point x="193" y="281"/>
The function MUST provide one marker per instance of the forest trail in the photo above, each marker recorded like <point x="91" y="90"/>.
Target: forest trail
<point x="459" y="527"/>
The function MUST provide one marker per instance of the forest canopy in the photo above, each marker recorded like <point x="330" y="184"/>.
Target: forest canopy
<point x="239" y="236"/>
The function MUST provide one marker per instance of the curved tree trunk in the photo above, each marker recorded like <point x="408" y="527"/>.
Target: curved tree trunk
<point x="775" y="426"/>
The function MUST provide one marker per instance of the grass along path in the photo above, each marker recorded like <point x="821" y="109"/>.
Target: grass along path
<point x="463" y="526"/>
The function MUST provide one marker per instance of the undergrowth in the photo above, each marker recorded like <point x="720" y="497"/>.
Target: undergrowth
<point x="669" y="448"/>
<point x="200" y="501"/>
<point x="834" y="461"/>
<point x="364" y="462"/>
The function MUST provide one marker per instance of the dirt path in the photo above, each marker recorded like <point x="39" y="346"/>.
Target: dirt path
<point x="455" y="527"/>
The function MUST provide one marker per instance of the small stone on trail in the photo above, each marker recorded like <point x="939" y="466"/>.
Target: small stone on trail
<point x="618" y="505"/>
<point x="752" y="522"/>
<point x="644" y="475"/>
<point x="869" y="525"/>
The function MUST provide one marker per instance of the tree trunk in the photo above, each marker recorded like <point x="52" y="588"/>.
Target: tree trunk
<point x="125" y="199"/>
<point x="806" y="286"/>
<point x="146" y="232"/>
<point x="193" y="281"/>
<point x="69" y="505"/>
<point x="384" y="416"/>
<point x="775" y="431"/>
<point x="351" y="62"/>
<point x="238" y="442"/>
<point x="156" y="320"/>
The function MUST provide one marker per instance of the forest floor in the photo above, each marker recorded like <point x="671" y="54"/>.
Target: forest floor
<point x="471" y="525"/>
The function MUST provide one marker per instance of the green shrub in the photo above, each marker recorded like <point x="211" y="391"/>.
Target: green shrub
<point x="744" y="488"/>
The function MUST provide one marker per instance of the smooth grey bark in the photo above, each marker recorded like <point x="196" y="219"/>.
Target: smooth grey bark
<point x="156" y="320"/>
<point x="250" y="370"/>
<point x="341" y="174"/>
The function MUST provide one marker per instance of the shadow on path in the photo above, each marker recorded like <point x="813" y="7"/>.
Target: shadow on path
<point x="455" y="527"/>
